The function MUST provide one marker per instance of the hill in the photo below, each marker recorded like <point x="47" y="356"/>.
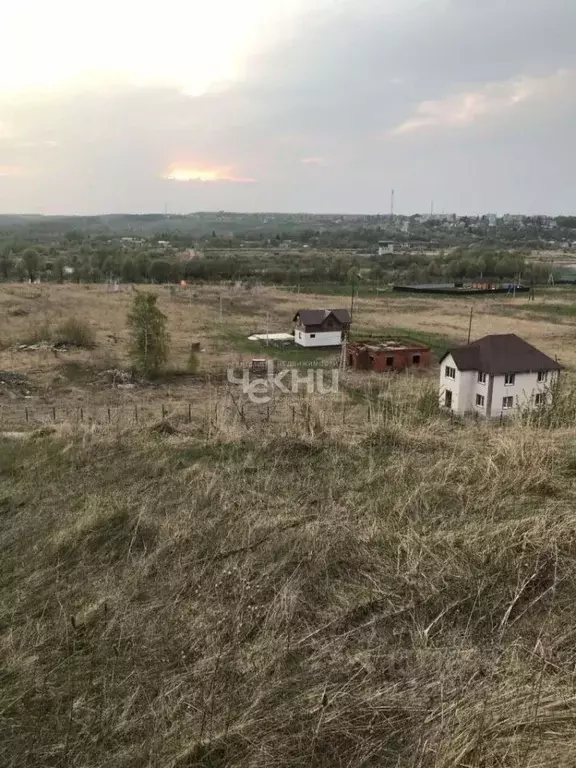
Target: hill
<point x="403" y="597"/>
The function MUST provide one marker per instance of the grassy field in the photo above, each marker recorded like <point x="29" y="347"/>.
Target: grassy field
<point x="352" y="579"/>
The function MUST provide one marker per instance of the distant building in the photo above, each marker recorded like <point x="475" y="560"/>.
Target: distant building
<point x="387" y="355"/>
<point x="321" y="327"/>
<point x="496" y="376"/>
<point x="385" y="247"/>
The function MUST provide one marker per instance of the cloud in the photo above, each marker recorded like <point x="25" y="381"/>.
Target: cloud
<point x="472" y="104"/>
<point x="494" y="99"/>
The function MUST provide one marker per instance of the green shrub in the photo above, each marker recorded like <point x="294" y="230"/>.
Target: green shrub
<point x="148" y="336"/>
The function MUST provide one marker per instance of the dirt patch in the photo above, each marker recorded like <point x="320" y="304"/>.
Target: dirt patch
<point x="13" y="385"/>
<point x="115" y="377"/>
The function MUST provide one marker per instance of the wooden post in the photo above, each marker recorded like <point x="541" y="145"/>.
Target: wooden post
<point x="81" y="414"/>
<point x="163" y="411"/>
<point x="26" y="412"/>
<point x="136" y="413"/>
<point x="54" y="413"/>
<point x="109" y="415"/>
<point x="189" y="414"/>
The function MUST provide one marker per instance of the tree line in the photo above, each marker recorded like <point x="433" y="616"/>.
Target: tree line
<point x="82" y="263"/>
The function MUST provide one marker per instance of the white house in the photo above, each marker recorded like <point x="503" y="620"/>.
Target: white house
<point x="495" y="376"/>
<point x="385" y="247"/>
<point x="321" y="327"/>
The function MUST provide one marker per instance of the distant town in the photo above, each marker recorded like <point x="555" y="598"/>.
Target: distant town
<point x="288" y="249"/>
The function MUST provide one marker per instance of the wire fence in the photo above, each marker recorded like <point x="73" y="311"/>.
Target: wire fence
<point x="225" y="412"/>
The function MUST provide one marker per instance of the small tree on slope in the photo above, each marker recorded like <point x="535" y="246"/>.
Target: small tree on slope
<point x="148" y="336"/>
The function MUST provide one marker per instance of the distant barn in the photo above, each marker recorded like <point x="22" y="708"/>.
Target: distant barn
<point x="463" y="289"/>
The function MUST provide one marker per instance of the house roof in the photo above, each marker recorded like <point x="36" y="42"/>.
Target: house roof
<point x="317" y="316"/>
<point x="500" y="354"/>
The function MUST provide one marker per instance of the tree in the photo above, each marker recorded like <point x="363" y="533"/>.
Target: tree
<point x="148" y="336"/>
<point x="6" y="264"/>
<point x="129" y="271"/>
<point x="31" y="259"/>
<point x="58" y="269"/>
<point x="161" y="271"/>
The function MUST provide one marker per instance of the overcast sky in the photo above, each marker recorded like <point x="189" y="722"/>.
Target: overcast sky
<point x="288" y="105"/>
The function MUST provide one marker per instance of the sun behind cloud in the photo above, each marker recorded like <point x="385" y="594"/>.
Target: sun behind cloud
<point x="10" y="170"/>
<point x="178" y="172"/>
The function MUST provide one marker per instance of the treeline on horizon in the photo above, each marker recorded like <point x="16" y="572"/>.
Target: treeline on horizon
<point x="93" y="262"/>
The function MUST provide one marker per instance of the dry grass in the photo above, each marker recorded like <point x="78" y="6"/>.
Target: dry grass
<point x="366" y="583"/>
<point x="402" y="596"/>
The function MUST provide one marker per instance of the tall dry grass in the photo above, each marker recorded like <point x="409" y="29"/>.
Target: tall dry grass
<point x="401" y="596"/>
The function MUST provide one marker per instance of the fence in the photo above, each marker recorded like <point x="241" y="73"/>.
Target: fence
<point x="228" y="411"/>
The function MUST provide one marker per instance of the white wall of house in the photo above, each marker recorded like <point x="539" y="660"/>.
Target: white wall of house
<point x="526" y="386"/>
<point x="318" y="339"/>
<point x="461" y="386"/>
<point x="466" y="388"/>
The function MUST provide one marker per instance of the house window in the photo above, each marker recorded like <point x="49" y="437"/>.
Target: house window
<point x="312" y="335"/>
<point x="507" y="402"/>
<point x="480" y="401"/>
<point x="482" y="378"/>
<point x="509" y="379"/>
<point x="542" y="376"/>
<point x="540" y="399"/>
<point x="415" y="359"/>
<point x="389" y="361"/>
<point x="449" y="372"/>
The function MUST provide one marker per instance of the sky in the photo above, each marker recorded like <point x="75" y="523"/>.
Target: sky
<point x="319" y="106"/>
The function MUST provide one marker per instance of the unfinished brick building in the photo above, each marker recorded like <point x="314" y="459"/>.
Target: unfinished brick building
<point x="385" y="355"/>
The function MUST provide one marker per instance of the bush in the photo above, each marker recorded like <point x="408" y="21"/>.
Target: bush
<point x="77" y="333"/>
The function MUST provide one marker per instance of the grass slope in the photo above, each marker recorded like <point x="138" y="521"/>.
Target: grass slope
<point x="405" y="600"/>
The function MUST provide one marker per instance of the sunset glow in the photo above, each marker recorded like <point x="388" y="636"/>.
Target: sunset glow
<point x="10" y="170"/>
<point x="185" y="173"/>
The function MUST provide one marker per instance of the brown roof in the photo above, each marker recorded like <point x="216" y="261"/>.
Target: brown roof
<point x="500" y="354"/>
<point x="317" y="316"/>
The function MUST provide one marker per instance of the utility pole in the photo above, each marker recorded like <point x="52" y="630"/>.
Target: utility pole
<point x="392" y="206"/>
<point x="470" y="323"/>
<point x="352" y="298"/>
<point x="220" y="307"/>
